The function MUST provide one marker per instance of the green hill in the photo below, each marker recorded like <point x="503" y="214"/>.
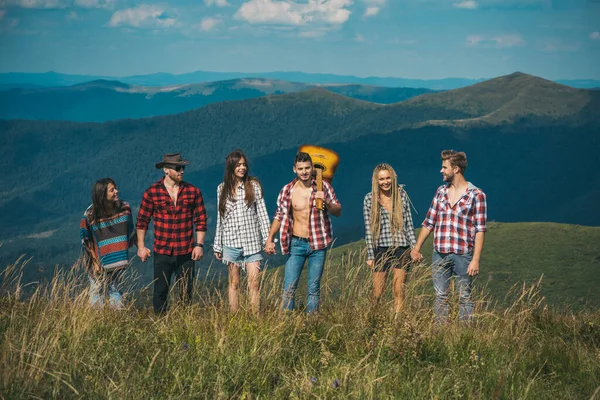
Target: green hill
<point x="565" y="257"/>
<point x="50" y="166"/>
<point x="103" y="100"/>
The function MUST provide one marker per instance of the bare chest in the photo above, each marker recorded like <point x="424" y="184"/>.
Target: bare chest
<point x="173" y="193"/>
<point x="301" y="199"/>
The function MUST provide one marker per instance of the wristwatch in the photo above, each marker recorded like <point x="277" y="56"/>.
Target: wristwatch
<point x="198" y="244"/>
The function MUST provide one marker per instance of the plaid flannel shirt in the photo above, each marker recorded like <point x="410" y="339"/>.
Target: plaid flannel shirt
<point x="404" y="238"/>
<point x="454" y="228"/>
<point x="173" y="225"/>
<point x="320" y="228"/>
<point x="242" y="226"/>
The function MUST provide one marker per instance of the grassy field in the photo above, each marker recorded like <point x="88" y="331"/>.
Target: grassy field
<point x="53" y="345"/>
<point x="565" y="257"/>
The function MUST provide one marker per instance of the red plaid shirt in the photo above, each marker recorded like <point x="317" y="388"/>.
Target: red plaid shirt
<point x="454" y="228"/>
<point x="320" y="229"/>
<point x="173" y="225"/>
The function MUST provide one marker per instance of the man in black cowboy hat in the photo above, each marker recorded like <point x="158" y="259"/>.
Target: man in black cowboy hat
<point x="178" y="211"/>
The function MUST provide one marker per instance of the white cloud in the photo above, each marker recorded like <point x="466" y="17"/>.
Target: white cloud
<point x="208" y="24"/>
<point x="107" y="4"/>
<point x="500" y="41"/>
<point x="288" y="12"/>
<point x="218" y="3"/>
<point x="595" y="35"/>
<point x="371" y="11"/>
<point x="373" y="7"/>
<point x="143" y="16"/>
<point x="468" y="4"/>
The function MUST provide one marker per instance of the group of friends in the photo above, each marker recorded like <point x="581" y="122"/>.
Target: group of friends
<point x="457" y="217"/>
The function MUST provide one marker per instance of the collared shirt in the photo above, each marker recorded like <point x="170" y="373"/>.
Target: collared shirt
<point x="173" y="224"/>
<point x="242" y="226"/>
<point x="405" y="238"/>
<point x="320" y="229"/>
<point x="454" y="228"/>
<point x="109" y="237"/>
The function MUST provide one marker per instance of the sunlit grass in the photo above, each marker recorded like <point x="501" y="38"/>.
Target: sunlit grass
<point x="54" y="345"/>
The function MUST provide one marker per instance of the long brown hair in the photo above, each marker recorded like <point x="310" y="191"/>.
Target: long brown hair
<point x="228" y="189"/>
<point x="99" y="194"/>
<point x="396" y="217"/>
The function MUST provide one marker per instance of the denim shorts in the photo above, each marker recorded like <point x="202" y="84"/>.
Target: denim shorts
<point x="235" y="255"/>
<point x="392" y="257"/>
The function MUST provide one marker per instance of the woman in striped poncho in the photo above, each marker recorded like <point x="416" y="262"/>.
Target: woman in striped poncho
<point x="106" y="232"/>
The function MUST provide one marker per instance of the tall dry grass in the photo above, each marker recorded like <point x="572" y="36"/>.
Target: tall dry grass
<point x="54" y="345"/>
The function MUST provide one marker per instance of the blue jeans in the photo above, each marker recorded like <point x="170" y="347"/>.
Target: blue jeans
<point x="444" y="266"/>
<point x="300" y="251"/>
<point x="109" y="283"/>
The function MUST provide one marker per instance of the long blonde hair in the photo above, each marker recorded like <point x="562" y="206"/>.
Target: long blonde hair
<point x="396" y="217"/>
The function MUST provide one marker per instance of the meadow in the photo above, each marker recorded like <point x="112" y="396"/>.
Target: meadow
<point x="54" y="345"/>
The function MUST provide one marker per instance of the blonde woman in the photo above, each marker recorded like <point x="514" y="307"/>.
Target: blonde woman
<point x="389" y="232"/>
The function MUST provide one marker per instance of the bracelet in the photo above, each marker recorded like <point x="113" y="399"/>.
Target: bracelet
<point x="198" y="244"/>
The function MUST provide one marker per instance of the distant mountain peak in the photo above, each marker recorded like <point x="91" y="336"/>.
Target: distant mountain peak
<point x="103" y="83"/>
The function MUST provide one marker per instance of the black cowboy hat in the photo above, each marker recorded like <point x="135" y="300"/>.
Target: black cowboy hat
<point x="172" y="159"/>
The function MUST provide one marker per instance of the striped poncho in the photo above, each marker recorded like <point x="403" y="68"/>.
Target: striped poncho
<point x="110" y="238"/>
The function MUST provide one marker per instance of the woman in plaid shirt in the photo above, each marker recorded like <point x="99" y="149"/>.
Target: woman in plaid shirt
<point x="242" y="227"/>
<point x="389" y="232"/>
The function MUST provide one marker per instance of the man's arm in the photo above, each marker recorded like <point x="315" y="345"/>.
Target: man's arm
<point x="473" y="268"/>
<point x="143" y="220"/>
<point x="332" y="205"/>
<point x="270" y="245"/>
<point x="480" y="227"/>
<point x="198" y="251"/>
<point x="415" y="253"/>
<point x="200" y="222"/>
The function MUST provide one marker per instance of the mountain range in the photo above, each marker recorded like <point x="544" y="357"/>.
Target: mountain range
<point x="531" y="145"/>
<point x="49" y="79"/>
<point x="102" y="100"/>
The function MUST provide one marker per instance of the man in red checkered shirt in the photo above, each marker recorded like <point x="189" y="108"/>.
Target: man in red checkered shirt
<point x="178" y="211"/>
<point x="306" y="232"/>
<point x="457" y="216"/>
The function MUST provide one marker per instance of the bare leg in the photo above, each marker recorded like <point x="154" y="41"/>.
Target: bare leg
<point x="234" y="283"/>
<point x="378" y="284"/>
<point x="254" y="285"/>
<point x="398" y="288"/>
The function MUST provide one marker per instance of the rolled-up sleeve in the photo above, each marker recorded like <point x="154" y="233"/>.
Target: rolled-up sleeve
<point x="431" y="216"/>
<point x="368" y="234"/>
<point x="145" y="212"/>
<point x="200" y="218"/>
<point x="480" y="212"/>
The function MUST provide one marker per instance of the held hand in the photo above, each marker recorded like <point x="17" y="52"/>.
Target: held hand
<point x="371" y="263"/>
<point x="197" y="253"/>
<point x="270" y="248"/>
<point x="473" y="268"/>
<point x="218" y="256"/>
<point x="416" y="255"/>
<point x="143" y="253"/>
<point x="320" y="195"/>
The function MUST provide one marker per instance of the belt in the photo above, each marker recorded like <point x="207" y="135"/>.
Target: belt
<point x="303" y="239"/>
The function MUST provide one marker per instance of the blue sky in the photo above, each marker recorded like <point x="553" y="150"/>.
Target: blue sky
<point x="424" y="39"/>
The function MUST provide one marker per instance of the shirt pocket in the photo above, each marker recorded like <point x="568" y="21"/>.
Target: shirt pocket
<point x="162" y="206"/>
<point x="187" y="204"/>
